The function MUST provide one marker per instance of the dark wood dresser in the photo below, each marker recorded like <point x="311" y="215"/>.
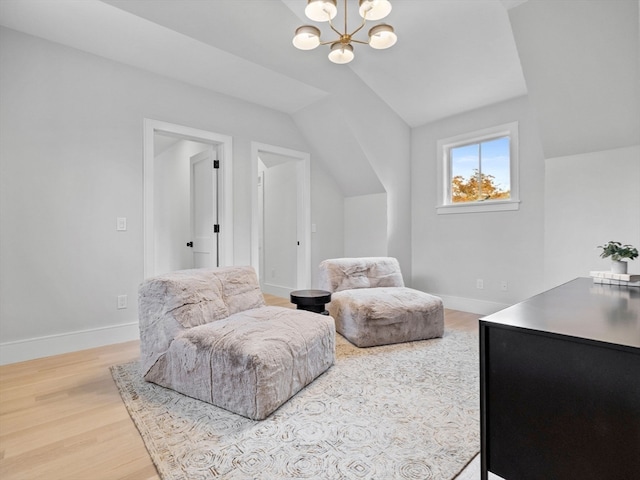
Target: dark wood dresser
<point x="560" y="385"/>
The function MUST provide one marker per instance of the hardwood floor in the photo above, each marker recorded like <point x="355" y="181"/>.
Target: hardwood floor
<point x="62" y="417"/>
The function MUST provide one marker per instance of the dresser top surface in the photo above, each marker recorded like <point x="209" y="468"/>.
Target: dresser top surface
<point x="579" y="308"/>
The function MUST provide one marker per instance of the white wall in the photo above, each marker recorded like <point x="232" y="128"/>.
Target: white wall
<point x="450" y="252"/>
<point x="327" y="214"/>
<point x="590" y="199"/>
<point x="583" y="80"/>
<point x="71" y="162"/>
<point x="71" y="129"/>
<point x="385" y="144"/>
<point x="365" y="225"/>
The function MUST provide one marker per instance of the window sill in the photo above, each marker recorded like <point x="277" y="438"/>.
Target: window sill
<point x="479" y="207"/>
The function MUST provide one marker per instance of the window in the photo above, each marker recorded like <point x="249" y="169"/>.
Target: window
<point x="478" y="171"/>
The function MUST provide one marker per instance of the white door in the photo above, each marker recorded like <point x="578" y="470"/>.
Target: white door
<point x="204" y="209"/>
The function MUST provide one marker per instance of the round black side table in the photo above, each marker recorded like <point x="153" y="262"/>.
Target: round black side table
<point x="311" y="300"/>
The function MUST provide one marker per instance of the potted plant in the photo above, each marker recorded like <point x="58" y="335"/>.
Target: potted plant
<point x="619" y="254"/>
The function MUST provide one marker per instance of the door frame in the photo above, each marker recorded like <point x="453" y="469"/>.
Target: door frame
<point x="303" y="173"/>
<point x="224" y="145"/>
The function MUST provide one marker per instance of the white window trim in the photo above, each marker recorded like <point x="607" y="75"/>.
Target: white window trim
<point x="444" y="171"/>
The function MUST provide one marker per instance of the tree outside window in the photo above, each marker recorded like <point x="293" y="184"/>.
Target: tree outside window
<point x="480" y="171"/>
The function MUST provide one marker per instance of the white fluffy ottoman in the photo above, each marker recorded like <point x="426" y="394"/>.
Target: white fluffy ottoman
<point x="371" y="305"/>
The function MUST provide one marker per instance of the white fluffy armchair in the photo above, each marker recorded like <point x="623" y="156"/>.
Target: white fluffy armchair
<point x="207" y="333"/>
<point x="371" y="305"/>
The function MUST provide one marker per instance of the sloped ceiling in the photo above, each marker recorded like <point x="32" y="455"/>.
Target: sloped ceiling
<point x="580" y="59"/>
<point x="344" y="158"/>
<point x="583" y="74"/>
<point x="102" y="29"/>
<point x="451" y="56"/>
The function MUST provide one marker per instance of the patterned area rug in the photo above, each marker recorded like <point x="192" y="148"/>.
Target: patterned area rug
<point x="406" y="411"/>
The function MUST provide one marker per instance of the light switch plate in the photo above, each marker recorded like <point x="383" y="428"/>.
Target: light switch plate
<point x="121" y="224"/>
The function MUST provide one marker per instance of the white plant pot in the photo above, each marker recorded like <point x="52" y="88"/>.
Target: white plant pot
<point x="618" y="266"/>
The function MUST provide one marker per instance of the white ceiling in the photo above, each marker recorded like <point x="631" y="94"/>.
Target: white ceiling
<point x="452" y="55"/>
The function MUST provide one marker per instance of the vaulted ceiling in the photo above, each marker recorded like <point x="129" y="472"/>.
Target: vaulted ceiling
<point x="451" y="56"/>
<point x="580" y="59"/>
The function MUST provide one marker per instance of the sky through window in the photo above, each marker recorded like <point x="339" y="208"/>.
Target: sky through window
<point x="495" y="160"/>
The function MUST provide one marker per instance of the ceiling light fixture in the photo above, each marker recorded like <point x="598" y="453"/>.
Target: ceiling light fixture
<point x="307" y="37"/>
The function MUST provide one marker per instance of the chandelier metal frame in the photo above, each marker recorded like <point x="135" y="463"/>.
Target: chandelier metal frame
<point x="381" y="36"/>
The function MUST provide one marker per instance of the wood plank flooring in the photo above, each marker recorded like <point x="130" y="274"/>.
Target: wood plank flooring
<point x="62" y="417"/>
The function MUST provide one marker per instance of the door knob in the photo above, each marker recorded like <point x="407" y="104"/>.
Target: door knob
<point x="190" y="244"/>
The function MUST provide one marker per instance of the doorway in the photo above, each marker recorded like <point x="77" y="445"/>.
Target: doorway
<point x="180" y="194"/>
<point x="203" y="195"/>
<point x="281" y="238"/>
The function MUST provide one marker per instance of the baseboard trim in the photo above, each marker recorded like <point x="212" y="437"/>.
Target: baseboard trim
<point x="481" y="307"/>
<point x="277" y="290"/>
<point x="32" y="348"/>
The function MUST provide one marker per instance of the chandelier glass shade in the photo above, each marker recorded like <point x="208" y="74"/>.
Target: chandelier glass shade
<point x="321" y="10"/>
<point x="382" y="36"/>
<point x="307" y="37"/>
<point x="374" y="9"/>
<point x="341" y="53"/>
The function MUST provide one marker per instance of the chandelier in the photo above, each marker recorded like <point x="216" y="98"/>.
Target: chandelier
<point x="307" y="37"/>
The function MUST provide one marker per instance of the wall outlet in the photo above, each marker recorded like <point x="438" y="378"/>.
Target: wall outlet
<point x="480" y="284"/>
<point x="503" y="286"/>
<point x="122" y="301"/>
